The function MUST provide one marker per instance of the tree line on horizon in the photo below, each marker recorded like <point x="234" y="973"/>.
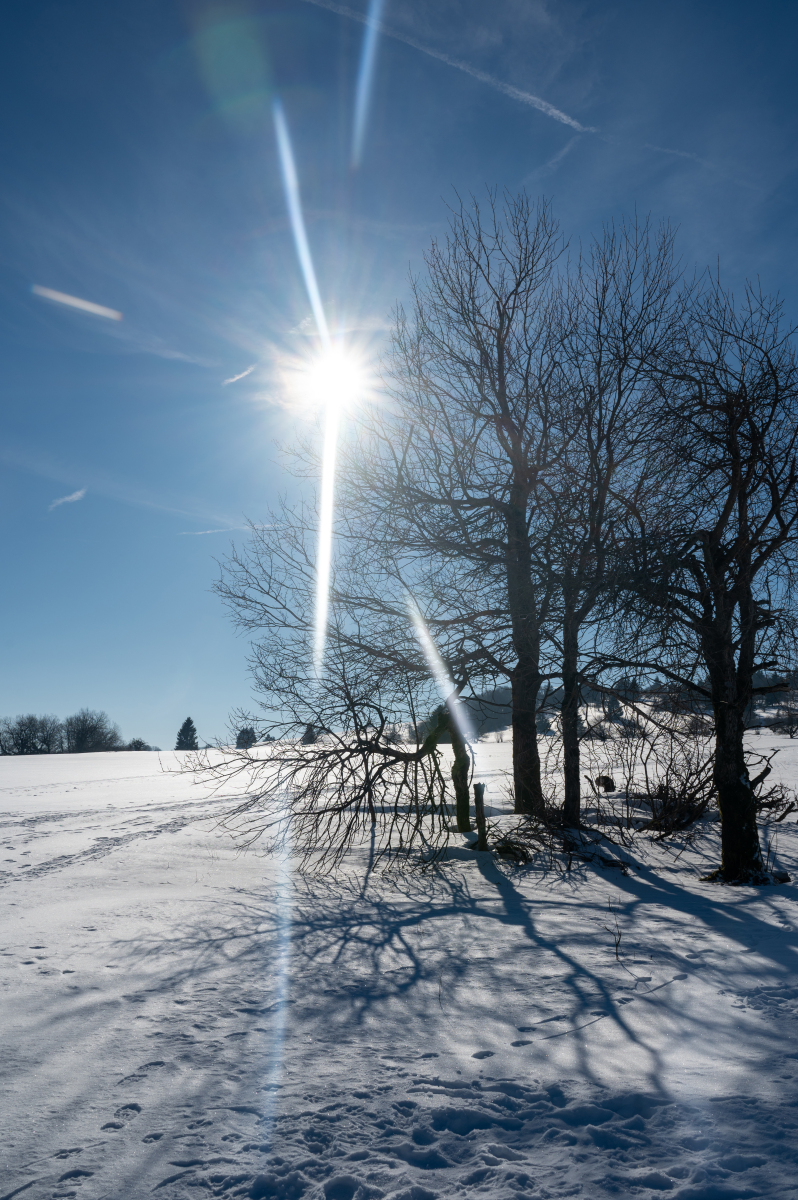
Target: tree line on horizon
<point x="581" y="476"/>
<point x="85" y="732"/>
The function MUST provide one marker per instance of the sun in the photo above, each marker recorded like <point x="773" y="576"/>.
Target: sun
<point x="335" y="378"/>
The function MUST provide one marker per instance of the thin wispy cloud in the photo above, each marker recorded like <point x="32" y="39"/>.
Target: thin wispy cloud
<point x="307" y="327"/>
<point x="70" y="499"/>
<point x="677" y="153"/>
<point x="103" y="484"/>
<point x="482" y="76"/>
<point x="87" y="306"/>
<point x="553" y="163"/>
<point x="243" y="375"/>
<point x="203" y="532"/>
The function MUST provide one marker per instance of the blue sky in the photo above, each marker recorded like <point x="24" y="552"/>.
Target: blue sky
<point x="140" y="173"/>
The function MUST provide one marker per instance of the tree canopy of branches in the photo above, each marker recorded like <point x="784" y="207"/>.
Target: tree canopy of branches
<point x="88" y="731"/>
<point x="84" y="732"/>
<point x="31" y="734"/>
<point x="363" y="775"/>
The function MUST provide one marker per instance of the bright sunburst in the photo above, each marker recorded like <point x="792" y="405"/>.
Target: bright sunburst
<point x="335" y="380"/>
<point x="336" y="377"/>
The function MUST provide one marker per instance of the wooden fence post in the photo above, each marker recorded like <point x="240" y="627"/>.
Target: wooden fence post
<point x="479" y="809"/>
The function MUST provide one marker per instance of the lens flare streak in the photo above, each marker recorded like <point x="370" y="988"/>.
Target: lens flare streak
<point x="281" y="972"/>
<point x="324" y="552"/>
<point x="294" y="204"/>
<point x="365" y="79"/>
<point x="437" y="669"/>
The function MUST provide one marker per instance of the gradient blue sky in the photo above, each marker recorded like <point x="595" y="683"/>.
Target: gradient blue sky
<point x="140" y="172"/>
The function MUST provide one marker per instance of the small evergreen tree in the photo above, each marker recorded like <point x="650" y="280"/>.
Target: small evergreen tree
<point x="187" y="736"/>
<point x="309" y="736"/>
<point x="246" y="738"/>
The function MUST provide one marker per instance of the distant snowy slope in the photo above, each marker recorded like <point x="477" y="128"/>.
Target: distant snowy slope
<point x="182" y="1020"/>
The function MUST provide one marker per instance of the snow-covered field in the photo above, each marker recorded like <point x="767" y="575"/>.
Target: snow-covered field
<point x="182" y="1020"/>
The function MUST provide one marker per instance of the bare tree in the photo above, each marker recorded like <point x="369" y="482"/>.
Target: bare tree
<point x="453" y="470"/>
<point x="89" y="732"/>
<point x="51" y="734"/>
<point x="623" y="308"/>
<point x="31" y="734"/>
<point x="715" y="568"/>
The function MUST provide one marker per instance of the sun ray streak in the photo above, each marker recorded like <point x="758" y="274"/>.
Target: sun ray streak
<point x="437" y="669"/>
<point x="332" y="405"/>
<point x="281" y="970"/>
<point x="294" y="203"/>
<point x="324" y="552"/>
<point x="365" y="79"/>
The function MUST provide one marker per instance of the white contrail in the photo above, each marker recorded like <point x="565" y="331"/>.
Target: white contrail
<point x="243" y="375"/>
<point x="97" y="310"/>
<point x="70" y="499"/>
<point x="437" y="669"/>
<point x="324" y="553"/>
<point x="365" y="79"/>
<point x="500" y="86"/>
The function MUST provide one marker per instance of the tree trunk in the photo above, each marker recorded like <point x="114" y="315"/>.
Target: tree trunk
<point x="569" y="719"/>
<point x="460" y="770"/>
<point x="741" y="855"/>
<point x="479" y="811"/>
<point x="526" y="759"/>
<point x="525" y="678"/>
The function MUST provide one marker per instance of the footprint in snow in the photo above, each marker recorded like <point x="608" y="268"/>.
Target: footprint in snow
<point x="341" y="1187"/>
<point x="75" y="1174"/>
<point x="125" y="1113"/>
<point x="142" y="1072"/>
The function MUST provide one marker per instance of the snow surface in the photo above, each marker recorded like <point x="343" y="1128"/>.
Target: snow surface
<point x="180" y="1020"/>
